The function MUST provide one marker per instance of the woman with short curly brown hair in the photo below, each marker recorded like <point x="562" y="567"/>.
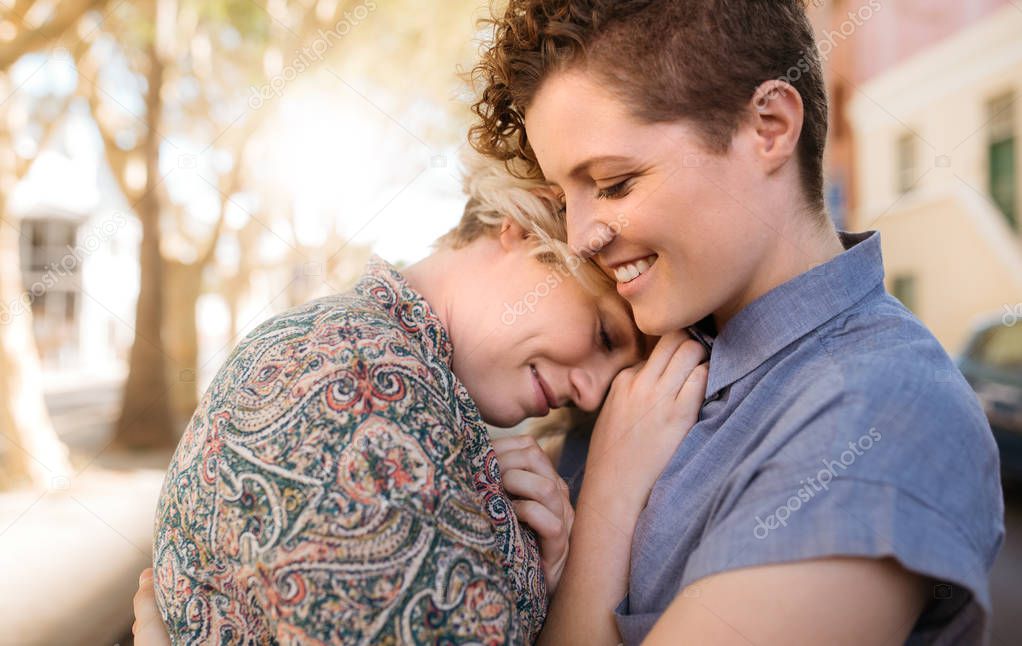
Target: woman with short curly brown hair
<point x="834" y="486"/>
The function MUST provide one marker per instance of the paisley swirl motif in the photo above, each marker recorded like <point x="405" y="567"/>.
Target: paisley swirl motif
<point x="337" y="484"/>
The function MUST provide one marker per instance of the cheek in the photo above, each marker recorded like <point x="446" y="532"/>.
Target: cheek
<point x="566" y="324"/>
<point x="572" y="348"/>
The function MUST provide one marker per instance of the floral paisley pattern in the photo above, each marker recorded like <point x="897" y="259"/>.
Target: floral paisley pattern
<point x="337" y="485"/>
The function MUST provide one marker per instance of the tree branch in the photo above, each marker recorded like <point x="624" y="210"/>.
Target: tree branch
<point x="28" y="40"/>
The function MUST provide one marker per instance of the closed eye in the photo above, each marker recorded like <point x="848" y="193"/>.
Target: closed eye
<point x="608" y="344"/>
<point x="617" y="191"/>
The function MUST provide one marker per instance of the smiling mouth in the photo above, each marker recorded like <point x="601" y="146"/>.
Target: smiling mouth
<point x="628" y="272"/>
<point x="548" y="398"/>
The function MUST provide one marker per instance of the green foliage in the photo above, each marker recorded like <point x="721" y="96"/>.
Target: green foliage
<point x="248" y="18"/>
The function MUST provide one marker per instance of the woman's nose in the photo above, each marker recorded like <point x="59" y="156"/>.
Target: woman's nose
<point x="588" y="389"/>
<point x="587" y="234"/>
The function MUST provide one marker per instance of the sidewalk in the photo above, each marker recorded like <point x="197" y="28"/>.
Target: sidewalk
<point x="70" y="558"/>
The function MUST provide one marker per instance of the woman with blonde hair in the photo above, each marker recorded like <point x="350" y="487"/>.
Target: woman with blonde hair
<point x="337" y="483"/>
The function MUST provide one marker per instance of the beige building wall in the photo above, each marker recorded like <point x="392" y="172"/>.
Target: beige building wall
<point x="944" y="232"/>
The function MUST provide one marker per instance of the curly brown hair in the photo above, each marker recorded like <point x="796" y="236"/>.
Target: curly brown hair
<point x="667" y="60"/>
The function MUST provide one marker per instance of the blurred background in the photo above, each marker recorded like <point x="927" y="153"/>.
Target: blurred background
<point x="173" y="172"/>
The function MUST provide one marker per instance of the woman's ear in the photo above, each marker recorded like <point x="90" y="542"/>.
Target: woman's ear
<point x="777" y="116"/>
<point x="512" y="234"/>
<point x="547" y="192"/>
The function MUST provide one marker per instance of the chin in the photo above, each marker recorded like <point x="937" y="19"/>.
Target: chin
<point x="501" y="418"/>
<point x="654" y="323"/>
<point x="660" y="322"/>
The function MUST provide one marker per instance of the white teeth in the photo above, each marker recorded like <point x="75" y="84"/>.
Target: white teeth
<point x="628" y="273"/>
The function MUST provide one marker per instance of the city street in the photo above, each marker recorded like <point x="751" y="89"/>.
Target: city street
<point x="1004" y="580"/>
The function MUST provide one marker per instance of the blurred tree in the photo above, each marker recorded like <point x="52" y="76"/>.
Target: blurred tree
<point x="133" y="154"/>
<point x="34" y="454"/>
<point x="173" y="85"/>
<point x="195" y="62"/>
<point x="207" y="71"/>
<point x="33" y="25"/>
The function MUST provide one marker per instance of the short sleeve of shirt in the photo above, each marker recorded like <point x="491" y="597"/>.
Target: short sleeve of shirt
<point x="849" y="517"/>
<point x="870" y="478"/>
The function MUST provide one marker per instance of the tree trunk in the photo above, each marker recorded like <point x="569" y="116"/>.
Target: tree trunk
<point x="180" y="301"/>
<point x="145" y="420"/>
<point x="31" y="452"/>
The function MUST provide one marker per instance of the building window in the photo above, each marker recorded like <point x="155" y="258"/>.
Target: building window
<point x="906" y="160"/>
<point x="1002" y="156"/>
<point x="903" y="288"/>
<point x="838" y="111"/>
<point x="52" y="276"/>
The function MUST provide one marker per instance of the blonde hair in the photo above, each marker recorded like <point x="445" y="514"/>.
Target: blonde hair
<point x="494" y="194"/>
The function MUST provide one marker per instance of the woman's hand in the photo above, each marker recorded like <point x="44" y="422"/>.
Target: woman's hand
<point x="540" y="499"/>
<point x="649" y="411"/>
<point x="148" y="628"/>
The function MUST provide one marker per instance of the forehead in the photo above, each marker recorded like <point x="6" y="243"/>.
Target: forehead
<point x="572" y="117"/>
<point x="576" y="125"/>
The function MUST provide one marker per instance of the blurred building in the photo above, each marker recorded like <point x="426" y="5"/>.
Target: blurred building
<point x="80" y="276"/>
<point x="925" y="123"/>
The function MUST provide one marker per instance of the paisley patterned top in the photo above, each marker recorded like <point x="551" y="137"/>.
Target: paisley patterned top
<point x="337" y="485"/>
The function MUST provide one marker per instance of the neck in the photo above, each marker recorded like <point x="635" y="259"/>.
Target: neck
<point x="796" y="249"/>
<point x="431" y="277"/>
<point x="445" y="278"/>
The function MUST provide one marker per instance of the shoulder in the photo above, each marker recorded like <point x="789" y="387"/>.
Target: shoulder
<point x="878" y="364"/>
<point x="884" y="408"/>
<point x="315" y="374"/>
<point x="320" y="335"/>
<point x="878" y="372"/>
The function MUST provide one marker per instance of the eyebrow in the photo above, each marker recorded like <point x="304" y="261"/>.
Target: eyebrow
<point x="582" y="167"/>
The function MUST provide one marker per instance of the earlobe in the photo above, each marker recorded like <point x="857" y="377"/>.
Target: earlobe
<point x="511" y="234"/>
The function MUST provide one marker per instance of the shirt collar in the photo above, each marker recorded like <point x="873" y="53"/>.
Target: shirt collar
<point x="383" y="283"/>
<point x="790" y="311"/>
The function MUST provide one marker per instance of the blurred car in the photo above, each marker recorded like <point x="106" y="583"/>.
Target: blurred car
<point x="992" y="364"/>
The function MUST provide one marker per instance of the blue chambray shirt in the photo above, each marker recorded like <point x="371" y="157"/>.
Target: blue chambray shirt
<point x="835" y="425"/>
